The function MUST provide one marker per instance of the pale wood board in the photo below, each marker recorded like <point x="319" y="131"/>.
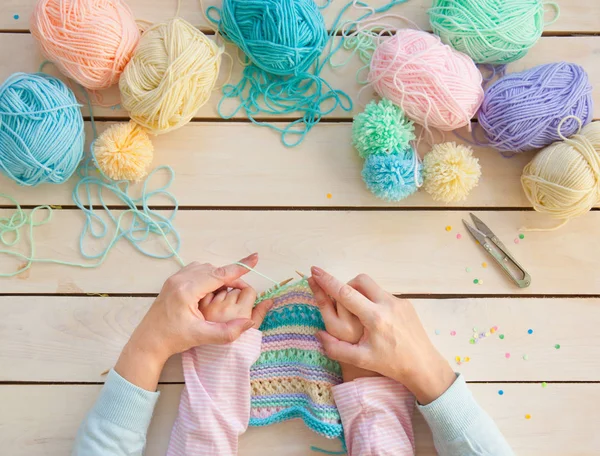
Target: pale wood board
<point x="407" y="252"/>
<point x="19" y="52"/>
<point x="29" y="424"/>
<point x="75" y="339"/>
<point x="215" y="168"/>
<point x="575" y="15"/>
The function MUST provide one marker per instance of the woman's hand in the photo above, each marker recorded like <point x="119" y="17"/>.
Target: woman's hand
<point x="393" y="342"/>
<point x="342" y="325"/>
<point x="175" y="322"/>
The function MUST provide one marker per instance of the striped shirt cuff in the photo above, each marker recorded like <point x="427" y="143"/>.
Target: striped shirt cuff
<point x="126" y="405"/>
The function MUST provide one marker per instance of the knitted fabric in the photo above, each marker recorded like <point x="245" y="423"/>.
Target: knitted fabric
<point x="293" y="377"/>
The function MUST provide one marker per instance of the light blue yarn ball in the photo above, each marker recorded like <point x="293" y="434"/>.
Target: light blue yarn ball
<point x="41" y="129"/>
<point x="282" y="37"/>
<point x="391" y="177"/>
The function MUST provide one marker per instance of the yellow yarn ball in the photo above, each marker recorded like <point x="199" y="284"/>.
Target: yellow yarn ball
<point x="563" y="179"/>
<point x="450" y="172"/>
<point x="170" y="76"/>
<point x="124" y="152"/>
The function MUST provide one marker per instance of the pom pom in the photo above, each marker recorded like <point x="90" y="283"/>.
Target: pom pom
<point x="124" y="152"/>
<point x="489" y="31"/>
<point x="435" y="85"/>
<point x="450" y="172"/>
<point x="90" y="41"/>
<point x="381" y="128"/>
<point x="521" y="111"/>
<point x="392" y="177"/>
<point x="170" y="76"/>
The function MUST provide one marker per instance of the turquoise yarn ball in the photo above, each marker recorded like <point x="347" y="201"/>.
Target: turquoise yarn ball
<point x="282" y="37"/>
<point x="392" y="177"/>
<point x="41" y="129"/>
<point x="382" y="128"/>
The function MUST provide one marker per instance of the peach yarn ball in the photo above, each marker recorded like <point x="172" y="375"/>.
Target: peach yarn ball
<point x="90" y="41"/>
<point x="435" y="85"/>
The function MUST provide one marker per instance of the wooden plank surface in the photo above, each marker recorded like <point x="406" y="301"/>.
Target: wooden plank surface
<point x="575" y="15"/>
<point x="75" y="339"/>
<point x="19" y="52"/>
<point x="553" y="430"/>
<point x="214" y="168"/>
<point x="407" y="252"/>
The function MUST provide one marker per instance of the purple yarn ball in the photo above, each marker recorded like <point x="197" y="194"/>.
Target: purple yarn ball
<point x="521" y="111"/>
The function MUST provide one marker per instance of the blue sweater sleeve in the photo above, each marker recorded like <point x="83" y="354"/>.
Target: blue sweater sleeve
<point x="461" y="427"/>
<point x="118" y="422"/>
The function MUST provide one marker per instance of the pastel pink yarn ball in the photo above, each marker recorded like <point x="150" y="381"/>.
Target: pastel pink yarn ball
<point x="435" y="85"/>
<point x="90" y="41"/>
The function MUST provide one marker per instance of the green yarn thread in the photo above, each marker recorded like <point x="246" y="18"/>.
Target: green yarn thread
<point x="382" y="128"/>
<point x="495" y="32"/>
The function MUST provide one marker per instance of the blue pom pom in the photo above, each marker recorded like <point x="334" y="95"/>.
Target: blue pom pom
<point x="392" y="177"/>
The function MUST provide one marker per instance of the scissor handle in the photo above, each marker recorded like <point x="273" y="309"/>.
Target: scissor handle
<point x="501" y="259"/>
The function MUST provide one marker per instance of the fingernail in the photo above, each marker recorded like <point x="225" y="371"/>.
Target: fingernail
<point x="250" y="257"/>
<point x="316" y="271"/>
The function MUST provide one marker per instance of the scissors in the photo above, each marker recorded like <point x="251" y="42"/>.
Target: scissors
<point x="487" y="239"/>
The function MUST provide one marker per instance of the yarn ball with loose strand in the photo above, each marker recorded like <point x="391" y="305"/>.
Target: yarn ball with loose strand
<point x="450" y="172"/>
<point x="489" y="31"/>
<point x="90" y="41"/>
<point x="521" y="111"/>
<point x="170" y="76"/>
<point x="563" y="179"/>
<point x="280" y="37"/>
<point x="41" y="129"/>
<point x="382" y="128"/>
<point x="392" y="177"/>
<point x="123" y="152"/>
<point x="435" y="85"/>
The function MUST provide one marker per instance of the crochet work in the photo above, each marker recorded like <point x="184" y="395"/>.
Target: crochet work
<point x="293" y="377"/>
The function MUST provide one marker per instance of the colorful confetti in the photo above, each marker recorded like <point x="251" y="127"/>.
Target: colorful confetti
<point x="507" y="355"/>
<point x="530" y="331"/>
<point x="459" y="236"/>
<point x="453" y="333"/>
<point x="557" y="346"/>
<point x="525" y="357"/>
<point x="501" y="392"/>
<point x="329" y="196"/>
<point x="501" y="336"/>
<point x="437" y="332"/>
<point x="484" y="265"/>
<point x="448" y="228"/>
<point x="16" y="17"/>
<point x="544" y="384"/>
<point x="521" y="236"/>
<point x="493" y="330"/>
<point x="528" y="416"/>
<point x="468" y="269"/>
<point x="480" y="282"/>
<point x="467" y="359"/>
<point x="475" y="281"/>
<point x="472" y="341"/>
<point x="516" y="240"/>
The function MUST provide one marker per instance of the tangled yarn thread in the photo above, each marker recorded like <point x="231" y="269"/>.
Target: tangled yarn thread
<point x="563" y="180"/>
<point x="170" y="76"/>
<point x="521" y="111"/>
<point x="435" y="85"/>
<point x="90" y="41"/>
<point x="41" y="129"/>
<point x="489" y="31"/>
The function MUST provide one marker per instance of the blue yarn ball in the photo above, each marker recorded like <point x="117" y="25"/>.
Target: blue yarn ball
<point x="41" y="129"/>
<point x="282" y="37"/>
<point x="391" y="177"/>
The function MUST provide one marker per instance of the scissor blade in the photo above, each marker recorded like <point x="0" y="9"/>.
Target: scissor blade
<point x="481" y="227"/>
<point x="478" y="235"/>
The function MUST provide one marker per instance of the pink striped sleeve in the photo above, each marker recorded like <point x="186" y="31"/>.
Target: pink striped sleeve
<point x="377" y="417"/>
<point x="215" y="403"/>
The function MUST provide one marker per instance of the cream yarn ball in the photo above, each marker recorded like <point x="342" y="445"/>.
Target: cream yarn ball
<point x="450" y="172"/>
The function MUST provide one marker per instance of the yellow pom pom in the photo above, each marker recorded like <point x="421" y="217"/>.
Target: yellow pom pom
<point x="124" y="152"/>
<point x="450" y="172"/>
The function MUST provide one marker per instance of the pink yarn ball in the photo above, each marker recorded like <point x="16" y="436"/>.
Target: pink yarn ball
<point x="435" y="85"/>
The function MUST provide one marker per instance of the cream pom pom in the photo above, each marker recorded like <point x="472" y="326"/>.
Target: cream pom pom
<point x="450" y="172"/>
<point x="124" y="152"/>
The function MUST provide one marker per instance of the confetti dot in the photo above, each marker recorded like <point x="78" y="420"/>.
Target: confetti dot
<point x="329" y="196"/>
<point x="501" y="392"/>
<point x="530" y="331"/>
<point x="507" y="355"/>
<point x="544" y="384"/>
<point x="480" y="282"/>
<point x="476" y="281"/>
<point x="482" y="335"/>
<point x="16" y="17"/>
<point x="557" y="346"/>
<point x="516" y="240"/>
<point x="525" y="357"/>
<point x="484" y="265"/>
<point x="521" y="236"/>
<point x="493" y="330"/>
<point x="488" y="334"/>
<point x="457" y="359"/>
<point x="501" y="336"/>
<point x="528" y="416"/>
<point x="467" y="359"/>
<point x="437" y="332"/>
<point x="474" y="329"/>
<point x="472" y="341"/>
<point x="468" y="269"/>
<point x="453" y="333"/>
<point x="459" y="236"/>
<point x="448" y="228"/>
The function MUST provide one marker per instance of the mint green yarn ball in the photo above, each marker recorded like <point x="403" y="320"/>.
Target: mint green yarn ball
<point x="382" y="128"/>
<point x="496" y="32"/>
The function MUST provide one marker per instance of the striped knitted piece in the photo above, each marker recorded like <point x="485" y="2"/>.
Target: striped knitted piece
<point x="293" y="377"/>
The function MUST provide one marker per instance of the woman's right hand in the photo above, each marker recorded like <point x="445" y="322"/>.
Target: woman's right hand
<point x="393" y="342"/>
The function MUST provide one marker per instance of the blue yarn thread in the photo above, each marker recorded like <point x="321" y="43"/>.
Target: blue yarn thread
<point x="41" y="129"/>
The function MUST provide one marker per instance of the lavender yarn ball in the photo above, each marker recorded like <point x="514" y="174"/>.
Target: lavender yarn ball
<point x="521" y="111"/>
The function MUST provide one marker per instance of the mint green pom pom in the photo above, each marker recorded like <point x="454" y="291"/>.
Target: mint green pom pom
<point x="381" y="128"/>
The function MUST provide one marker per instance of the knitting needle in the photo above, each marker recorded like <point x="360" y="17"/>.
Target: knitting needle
<point x="300" y="274"/>
<point x="285" y="282"/>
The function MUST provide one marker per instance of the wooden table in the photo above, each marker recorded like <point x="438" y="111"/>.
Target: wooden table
<point x="241" y="191"/>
